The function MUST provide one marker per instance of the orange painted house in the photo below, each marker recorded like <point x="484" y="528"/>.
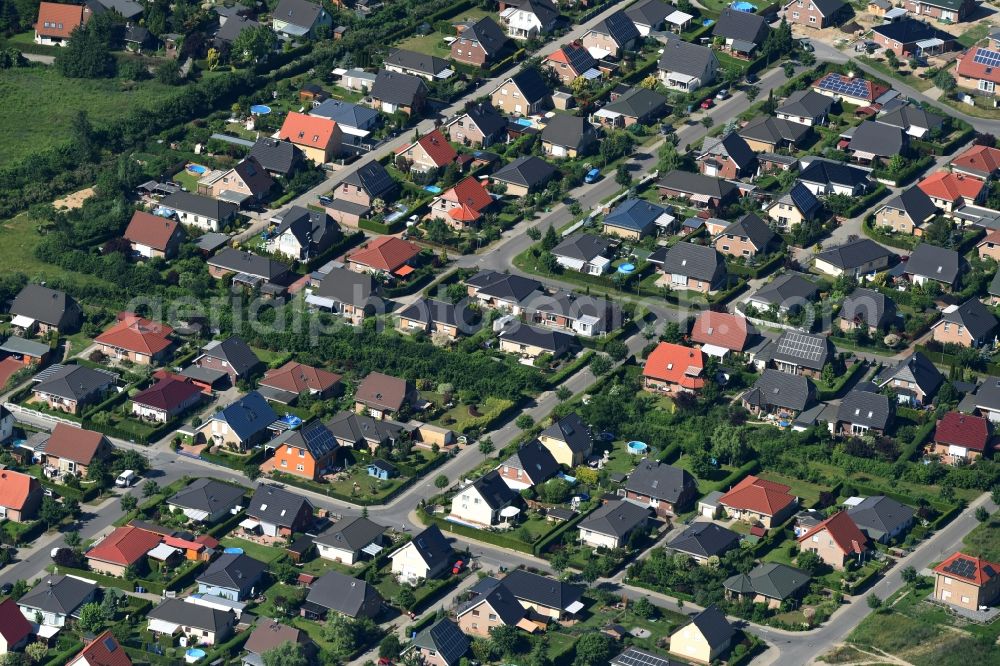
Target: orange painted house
<point x="308" y="452"/>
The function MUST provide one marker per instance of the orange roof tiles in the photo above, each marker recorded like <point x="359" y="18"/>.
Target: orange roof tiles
<point x="385" y="253"/>
<point x="59" y="20"/>
<point x="310" y="131"/>
<point x="151" y="230"/>
<point x="469" y="192"/>
<point x="676" y="364"/>
<point x="759" y="495"/>
<point x="72" y="443"/>
<point x="975" y="570"/>
<point x="982" y="159"/>
<point x="844" y="532"/>
<point x="16" y="488"/>
<point x="721" y="329"/>
<point x="124" y="546"/>
<point x="104" y="650"/>
<point x="136" y="334"/>
<point x="298" y="377"/>
<point x="949" y="186"/>
<point x="992" y="237"/>
<point x="969" y="68"/>
<point x="8" y="367"/>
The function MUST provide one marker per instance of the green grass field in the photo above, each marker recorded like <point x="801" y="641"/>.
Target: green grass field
<point x="984" y="541"/>
<point x="433" y="43"/>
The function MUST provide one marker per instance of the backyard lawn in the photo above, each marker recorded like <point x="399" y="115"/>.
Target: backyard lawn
<point x="255" y="550"/>
<point x="460" y="417"/>
<point x="984" y="541"/>
<point x="808" y="493"/>
<point x="433" y="43"/>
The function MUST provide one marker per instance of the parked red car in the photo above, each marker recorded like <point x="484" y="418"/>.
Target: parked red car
<point x="707" y="104"/>
<point x="457" y="569"/>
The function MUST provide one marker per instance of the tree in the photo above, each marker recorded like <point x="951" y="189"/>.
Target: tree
<point x="73" y="539"/>
<point x="554" y="491"/>
<point x="752" y="92"/>
<point x="617" y="350"/>
<point x="486" y="446"/>
<point x="150" y="488"/>
<point x="564" y="393"/>
<point x="643" y="608"/>
<point x="551" y="238"/>
<point x="593" y="649"/>
<point x="87" y="56"/>
<point x="622" y="175"/>
<point x="36" y="651"/>
<point x="809" y="561"/>
<point x="534" y="234"/>
<point x="92" y="618"/>
<point x="669" y="158"/>
<point x="128" y="503"/>
<point x="592" y="570"/>
<point x="169" y="73"/>
<point x="505" y="639"/>
<point x="874" y="602"/>
<point x="285" y="654"/>
<point x="982" y="515"/>
<point x="389" y="647"/>
<point x="729" y="444"/>
<point x="441" y="481"/>
<point x="707" y="121"/>
<point x="600" y="364"/>
<point x="405" y="598"/>
<point x="253" y="44"/>
<point x="212" y="59"/>
<point x="524" y="421"/>
<point x="908" y="574"/>
<point x="51" y="512"/>
<point x="341" y="633"/>
<point x="559" y="560"/>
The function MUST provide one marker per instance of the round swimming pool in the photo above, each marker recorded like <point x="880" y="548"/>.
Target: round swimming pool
<point x="636" y="447"/>
<point x="627" y="269"/>
<point x="197" y="168"/>
<point x="193" y="655"/>
<point x="743" y="6"/>
<point x="260" y="109"/>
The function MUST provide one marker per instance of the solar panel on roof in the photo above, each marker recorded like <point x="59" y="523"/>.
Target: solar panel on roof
<point x="987" y="57"/>
<point x="802" y="198"/>
<point x="849" y="87"/>
<point x="962" y="568"/>
<point x="795" y="344"/>
<point x="633" y="657"/>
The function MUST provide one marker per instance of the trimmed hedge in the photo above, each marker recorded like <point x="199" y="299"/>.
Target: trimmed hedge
<point x="226" y="526"/>
<point x="381" y="228"/>
<point x="63" y="657"/>
<point x="542" y="544"/>
<point x="823" y="393"/>
<point x="754" y="272"/>
<point x="495" y="538"/>
<point x="910" y="450"/>
<point x="569" y="369"/>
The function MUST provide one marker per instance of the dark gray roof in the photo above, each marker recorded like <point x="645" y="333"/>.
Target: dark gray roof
<point x="854" y="254"/>
<point x="780" y="389"/>
<point x="554" y="342"/>
<point x="619" y="27"/>
<point x="196" y="204"/>
<point x="695" y="261"/>
<point x="615" y="518"/>
<point x="535" y="460"/>
<point x="786" y="290"/>
<point x="733" y="146"/>
<point x="742" y="26"/>
<point x="917" y="369"/>
<point x="915" y="203"/>
<point x="351" y="534"/>
<point x="994" y="288"/>
<point x="276" y="506"/>
<point x="127" y="8"/>
<point x="935" y="263"/>
<point x="806" y="104"/>
<point x="489" y="121"/>
<point x="503" y="286"/>
<point x="346" y="113"/>
<point x="987" y="396"/>
<point x="531" y="84"/>
<point x="879" y="515"/>
<point x="234" y="25"/>
<point x="178" y="611"/>
<point x="705" y="540"/>
<point x="345" y="286"/>
<point x="649" y="12"/>
<point x="429" y="311"/>
<point x="828" y="7"/>
<point x="910" y="30"/>
<point x="868" y="306"/>
<point x="569" y="131"/>
<point x="344" y="594"/>
<point x="577" y="57"/>
<point x="633" y="656"/>
<point x="356" y="428"/>
<point x="774" y="130"/>
<point x="18" y="345"/>
<point x="638" y="103"/>
<point x="542" y="590"/>
<point x="634" y="214"/>
<point x="233" y="351"/>
<point x="826" y="172"/>
<point x="753" y="229"/>
<point x="771" y="579"/>
<point x="233" y="571"/>
<point x="659" y="481"/>
<point x="417" y="62"/>
<point x="527" y="170"/>
<point x="878" y="139"/>
<point x="572" y="430"/>
<point x="866" y="409"/>
<point x="714" y="627"/>
<point x="207" y="495"/>
<point x="810" y="351"/>
<point x="494" y="491"/>
<point x="49" y="306"/>
<point x="248" y="416"/>
<point x="443" y="638"/>
<point x="397" y="88"/>
<point x="58" y="594"/>
<point x="75" y="382"/>
<point x="488" y="34"/>
<point x="432" y="546"/>
<point x="696" y="183"/>
<point x="238" y="261"/>
<point x="584" y="247"/>
<point x="800" y="197"/>
<point x="311" y="228"/>
<point x="500" y="600"/>
<point x="974" y="316"/>
<point x="301" y="13"/>
<point x="908" y="116"/>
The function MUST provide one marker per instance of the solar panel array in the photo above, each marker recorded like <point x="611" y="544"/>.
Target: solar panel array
<point x="449" y="640"/>
<point x="802" y="346"/>
<point x="802" y="197"/>
<point x="845" y="85"/>
<point x="634" y="657"/>
<point x="987" y="57"/>
<point x="962" y="568"/>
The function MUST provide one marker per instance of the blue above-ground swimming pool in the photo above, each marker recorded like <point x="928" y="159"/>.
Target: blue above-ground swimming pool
<point x="743" y="6"/>
<point x="433" y="189"/>
<point x="708" y="22"/>
<point x="627" y="269"/>
<point x="636" y="447"/>
<point x="260" y="109"/>
<point x="232" y="551"/>
<point x="194" y="654"/>
<point x="197" y="168"/>
<point x="526" y="122"/>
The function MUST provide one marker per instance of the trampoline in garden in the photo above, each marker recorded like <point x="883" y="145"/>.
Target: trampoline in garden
<point x="260" y="109"/>
<point x="637" y="448"/>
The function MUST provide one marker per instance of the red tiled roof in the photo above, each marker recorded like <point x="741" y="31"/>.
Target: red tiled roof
<point x="969" y="432"/>
<point x="437" y="148"/>
<point x="385" y="253"/>
<point x="759" y="495"/>
<point x="676" y="364"/>
<point x="14" y="627"/>
<point x="979" y="158"/>
<point x="72" y="443"/>
<point x="950" y="186"/>
<point x="311" y="131"/>
<point x="136" y="334"/>
<point x="103" y="651"/>
<point x="469" y="192"/>
<point x="184" y="544"/>
<point x="872" y="91"/>
<point x="167" y="394"/>
<point x="464" y="214"/>
<point x="150" y="230"/>
<point x="16" y="488"/>
<point x="721" y="329"/>
<point x="968" y="67"/>
<point x="981" y="571"/>
<point x="58" y="20"/>
<point x="208" y="541"/>
<point x="992" y="237"/>
<point x="297" y="377"/>
<point x="8" y="367"/>
<point x="844" y="532"/>
<point x="124" y="546"/>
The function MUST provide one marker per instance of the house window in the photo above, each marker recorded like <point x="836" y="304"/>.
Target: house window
<point x="288" y="450"/>
<point x="795" y="15"/>
<point x="475" y="613"/>
<point x="947" y="581"/>
<point x="284" y="463"/>
<point x="493" y="617"/>
<point x="725" y="248"/>
<point x="302" y="453"/>
<point x="300" y="468"/>
<point x="812" y="19"/>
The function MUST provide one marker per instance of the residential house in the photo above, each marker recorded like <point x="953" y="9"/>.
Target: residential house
<point x="907" y="212"/>
<point x="721" y="332"/>
<point x="200" y="211"/>
<point x="612" y="524"/>
<point x="356" y="124"/>
<point x="57" y="599"/>
<point x="706" y="638"/>
<point x="135" y="339"/>
<point x="20" y="496"/>
<point x="568" y="440"/>
<point x="915" y="121"/>
<point x="530" y="342"/>
<point x="855" y="258"/>
<point x="249" y="270"/>
<point x="270" y="634"/>
<point x="910" y="37"/>
<point x="528" y="19"/>
<point x="359" y="191"/>
<point x="634" y="218"/>
<point x="481" y="125"/>
<point x="441" y="643"/>
<point x="872" y="142"/>
<point x="770" y="583"/>
<point x="851" y="89"/>
<point x="525" y="93"/>
<point x="231" y="356"/>
<point x="982" y="162"/>
<point x="637" y="106"/>
<point x="318" y="138"/>
<point x="166" y="399"/>
<point x="529" y="466"/>
<point x="70" y="388"/>
<point x="568" y="136"/>
<point x="585" y="253"/>
<point x="815" y="13"/>
<point x="438" y="318"/>
<point x="746" y="237"/>
<point x="72" y="450"/>
<point x="385" y="255"/>
<point x="787" y="293"/>
<point x="309" y="452"/>
<point x="278" y="512"/>
<point x="700" y="190"/>
<point x="480" y="43"/>
<point x="569" y="62"/>
<point x="671" y="367"/>
<point x="463" y="205"/>
<point x="822" y="177"/>
<point x="199" y="625"/>
<point x="612" y="36"/>
<point x="648" y="15"/>
<point x="694" y="268"/>
<point x="352" y="295"/>
<point x="961" y="438"/>
<point x="233" y="576"/>
<point x="728" y="156"/>
<point x="758" y="501"/>
<point x="805" y="107"/>
<point x="967" y="582"/>
<point x="881" y="518"/>
<point x="702" y="540"/>
<point x="427" y="555"/>
<point x="246" y="182"/>
<point x="392" y="92"/>
<point x="56" y="22"/>
<point x="768" y="134"/>
<point x="868" y="309"/>
<point x="25" y="352"/>
<point x="153" y="236"/>
<point x="574" y="313"/>
<point x="543" y="596"/>
<point x="496" y="607"/>
<point x="524" y="175"/>
<point x="207" y="500"/>
<point x="742" y="32"/>
<point x="990" y="246"/>
<point x="303" y="234"/>
<point x="124" y="549"/>
<point x="38" y="309"/>
<point x="299" y="18"/>
<point x="414" y="63"/>
<point x="930" y="263"/>
<point x="685" y="66"/>
<point x="480" y="503"/>
<point x="287" y="383"/>
<point x="278" y="158"/>
<point x="837" y="541"/>
<point x="794" y="207"/>
<point x="914" y="380"/>
<point x="633" y="655"/>
<point x="429" y="153"/>
<point x="241" y="425"/>
<point x="948" y="11"/>
<point x="970" y="324"/>
<point x="358" y="80"/>
<point x="501" y="291"/>
<point x="976" y="71"/>
<point x="801" y="353"/>
<point x="104" y="650"/>
<point x="665" y="489"/>
<point x="354" y="431"/>
<point x="230" y="28"/>
<point x="382" y="396"/>
<point x="950" y="191"/>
